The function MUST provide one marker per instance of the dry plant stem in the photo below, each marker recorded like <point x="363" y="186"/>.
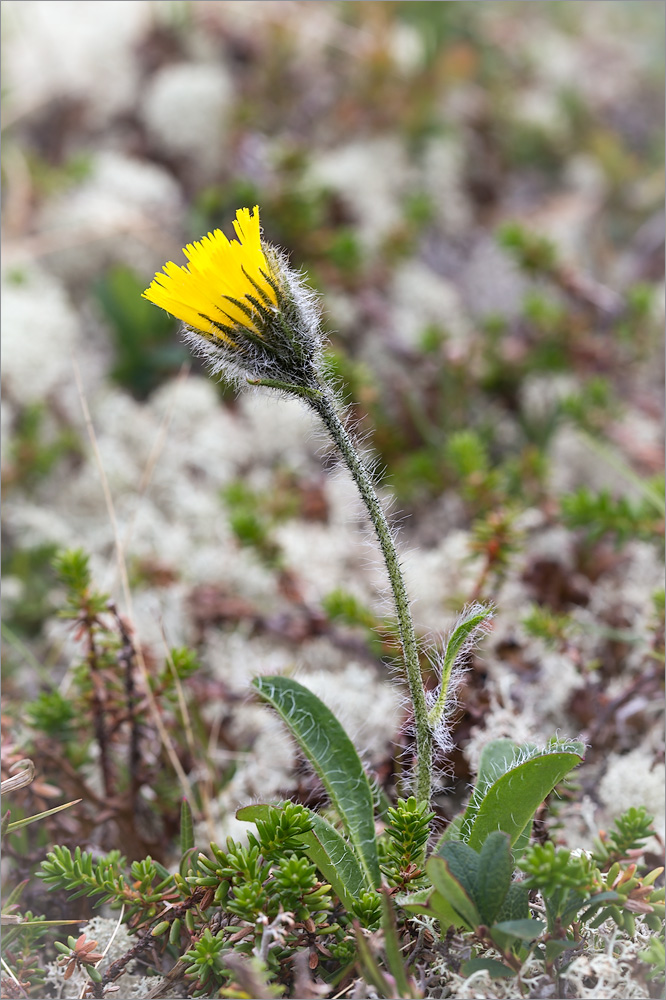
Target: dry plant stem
<point x="98" y="699"/>
<point x="145" y="941"/>
<point x="326" y="409"/>
<point x="126" y="658"/>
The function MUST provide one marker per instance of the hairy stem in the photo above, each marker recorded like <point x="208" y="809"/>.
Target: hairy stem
<point x="326" y="409"/>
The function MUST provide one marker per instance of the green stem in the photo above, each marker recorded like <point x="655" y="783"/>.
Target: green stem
<point x="326" y="409"/>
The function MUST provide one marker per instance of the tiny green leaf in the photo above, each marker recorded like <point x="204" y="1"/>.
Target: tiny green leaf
<point x="186" y="828"/>
<point x="592" y="902"/>
<point x="27" y="820"/>
<point x="557" y="947"/>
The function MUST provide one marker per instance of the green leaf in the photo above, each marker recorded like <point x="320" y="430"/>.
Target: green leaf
<point x="186" y="828"/>
<point x="471" y="620"/>
<point x="432" y="904"/>
<point x="592" y="902"/>
<point x="510" y="803"/>
<point x="370" y="967"/>
<point x="453" y="892"/>
<point x="496" y="759"/>
<point x="336" y="860"/>
<point x="417" y="898"/>
<point x="14" y="896"/>
<point x="27" y="820"/>
<point x="394" y="958"/>
<point x="522" y="842"/>
<point x="515" y="905"/>
<point x="555" y="948"/>
<point x="439" y="908"/>
<point x="495" y="969"/>
<point x="334" y="758"/>
<point x="463" y="864"/>
<point x="494" y="873"/>
<point x="330" y="852"/>
<point x="525" y="930"/>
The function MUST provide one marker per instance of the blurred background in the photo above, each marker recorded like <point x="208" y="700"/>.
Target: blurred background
<point x="476" y="191"/>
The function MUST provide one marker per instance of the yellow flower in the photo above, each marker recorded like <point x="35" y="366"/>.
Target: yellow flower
<point x="214" y="292"/>
<point x="246" y="312"/>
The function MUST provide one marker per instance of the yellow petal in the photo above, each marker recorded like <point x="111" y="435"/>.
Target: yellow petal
<point x="218" y="269"/>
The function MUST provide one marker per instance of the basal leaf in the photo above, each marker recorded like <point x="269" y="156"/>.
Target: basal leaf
<point x="496" y="759"/>
<point x="333" y="756"/>
<point x="510" y="803"/>
<point x="522" y="842"/>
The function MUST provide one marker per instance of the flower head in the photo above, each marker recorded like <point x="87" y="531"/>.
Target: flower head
<point x="244" y="309"/>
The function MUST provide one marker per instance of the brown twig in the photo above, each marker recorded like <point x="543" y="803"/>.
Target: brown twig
<point x="98" y="702"/>
<point x="589" y="292"/>
<point x="126" y="659"/>
<point x="117" y="968"/>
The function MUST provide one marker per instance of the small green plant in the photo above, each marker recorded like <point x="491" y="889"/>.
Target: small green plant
<point x="599" y="514"/>
<point x="575" y="891"/>
<point x="407" y="836"/>
<point x="36" y="447"/>
<point x="626" y="838"/>
<point x="305" y="881"/>
<point x="553" y="628"/>
<point x="534" y="253"/>
<point x="252" y="523"/>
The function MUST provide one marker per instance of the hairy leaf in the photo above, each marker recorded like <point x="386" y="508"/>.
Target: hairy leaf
<point x="334" y="758"/>
<point x="510" y="803"/>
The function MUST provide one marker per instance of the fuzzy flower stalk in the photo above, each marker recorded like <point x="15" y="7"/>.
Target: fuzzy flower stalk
<point x="254" y="320"/>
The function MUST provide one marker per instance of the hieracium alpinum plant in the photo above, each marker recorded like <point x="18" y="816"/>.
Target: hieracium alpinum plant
<point x="253" y="318"/>
<point x="241" y="918"/>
